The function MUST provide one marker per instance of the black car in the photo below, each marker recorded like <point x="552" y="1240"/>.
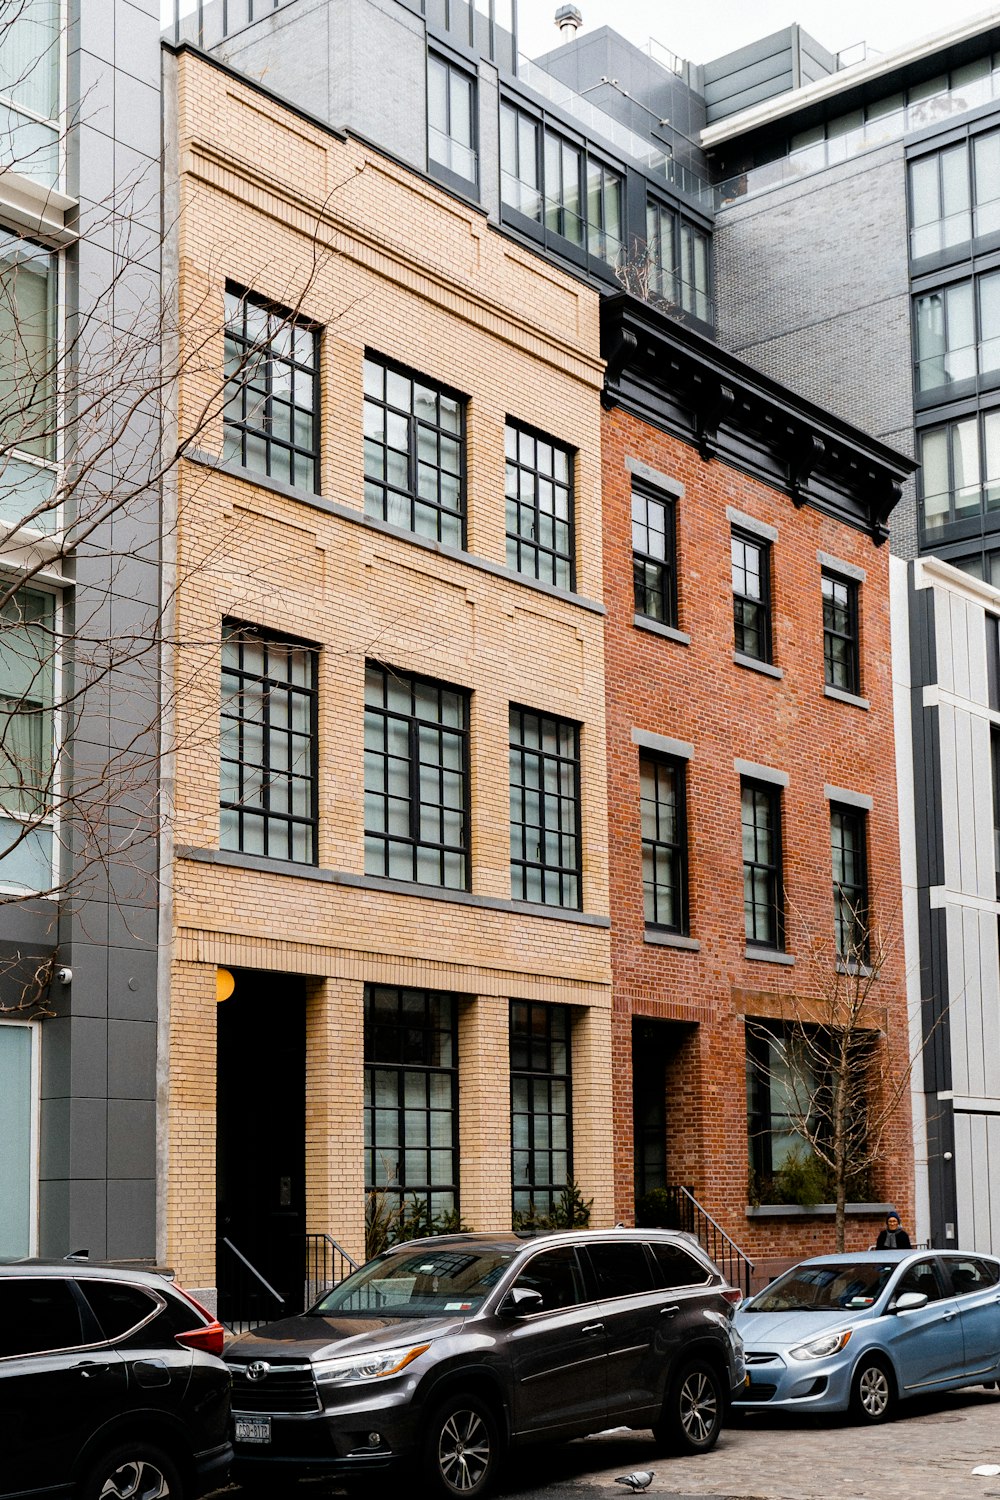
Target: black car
<point x="444" y="1352"/>
<point x="110" y="1385"/>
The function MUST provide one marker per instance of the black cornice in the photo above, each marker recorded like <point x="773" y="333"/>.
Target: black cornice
<point x="673" y="377"/>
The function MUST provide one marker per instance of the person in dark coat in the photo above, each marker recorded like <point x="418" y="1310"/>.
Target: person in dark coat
<point x="893" y="1236"/>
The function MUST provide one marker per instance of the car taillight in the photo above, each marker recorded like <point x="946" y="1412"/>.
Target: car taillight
<point x="209" y="1338"/>
<point x="733" y="1296"/>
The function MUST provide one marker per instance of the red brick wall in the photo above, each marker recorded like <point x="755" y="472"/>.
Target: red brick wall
<point x="697" y="693"/>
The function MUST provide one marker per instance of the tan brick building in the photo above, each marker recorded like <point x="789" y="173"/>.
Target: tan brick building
<point x="394" y="836"/>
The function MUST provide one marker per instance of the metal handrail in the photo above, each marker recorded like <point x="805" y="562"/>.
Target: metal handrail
<point x="253" y="1270"/>
<point x="719" y="1245"/>
<point x="326" y="1264"/>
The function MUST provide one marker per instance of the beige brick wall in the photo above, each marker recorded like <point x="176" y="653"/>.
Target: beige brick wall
<point x="379" y="259"/>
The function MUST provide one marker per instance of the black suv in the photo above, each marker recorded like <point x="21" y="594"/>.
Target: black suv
<point x="110" y="1385"/>
<point x="444" y="1352"/>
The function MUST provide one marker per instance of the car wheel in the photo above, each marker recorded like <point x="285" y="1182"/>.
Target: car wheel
<point x="461" y="1448"/>
<point x="873" y="1394"/>
<point x="692" y="1413"/>
<point x="135" y="1471"/>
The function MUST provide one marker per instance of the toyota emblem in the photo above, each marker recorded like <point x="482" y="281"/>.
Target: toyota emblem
<point x="259" y="1370"/>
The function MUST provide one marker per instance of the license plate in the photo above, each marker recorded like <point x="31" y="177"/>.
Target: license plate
<point x="253" y="1429"/>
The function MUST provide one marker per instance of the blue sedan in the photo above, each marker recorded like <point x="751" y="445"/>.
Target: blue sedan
<point x="860" y="1332"/>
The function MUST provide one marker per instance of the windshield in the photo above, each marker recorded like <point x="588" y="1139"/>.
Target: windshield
<point x="827" y="1288"/>
<point x="419" y="1284"/>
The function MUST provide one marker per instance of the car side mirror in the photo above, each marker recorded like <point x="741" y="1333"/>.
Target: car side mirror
<point x="521" y="1301"/>
<point x="907" y="1301"/>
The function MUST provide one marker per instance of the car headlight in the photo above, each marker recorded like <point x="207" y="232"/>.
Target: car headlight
<point x="351" y="1369"/>
<point x="822" y="1348"/>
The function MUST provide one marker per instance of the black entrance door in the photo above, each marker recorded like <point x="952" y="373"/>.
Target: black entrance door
<point x="261" y="1146"/>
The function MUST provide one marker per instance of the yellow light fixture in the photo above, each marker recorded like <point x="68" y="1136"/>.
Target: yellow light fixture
<point x="225" y="983"/>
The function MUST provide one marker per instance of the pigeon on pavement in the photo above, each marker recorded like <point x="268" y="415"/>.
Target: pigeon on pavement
<point x="637" y="1482"/>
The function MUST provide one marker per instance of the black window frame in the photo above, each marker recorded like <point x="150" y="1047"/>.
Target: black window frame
<point x="985" y="513"/>
<point x="408" y="495"/>
<point x="763" y="1120"/>
<point x="445" y="171"/>
<point x="567" y="877"/>
<point x="851" y="909"/>
<point x="417" y="728"/>
<point x="841" y="623"/>
<point x="663" y="588"/>
<point x="674" y="853"/>
<point x="519" y="546"/>
<point x="668" y="283"/>
<point x="953" y="387"/>
<point x="244" y="635"/>
<point x="766" y="933"/>
<point x="241" y="355"/>
<point x="746" y="604"/>
<point x="540" y="1046"/>
<point x="424" y="1017"/>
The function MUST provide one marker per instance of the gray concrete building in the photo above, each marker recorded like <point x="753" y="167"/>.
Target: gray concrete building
<point x="80" y="387"/>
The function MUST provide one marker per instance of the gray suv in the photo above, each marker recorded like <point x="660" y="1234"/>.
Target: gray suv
<point x="445" y="1352"/>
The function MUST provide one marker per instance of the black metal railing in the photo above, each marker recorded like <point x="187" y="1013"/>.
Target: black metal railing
<point x="327" y="1263"/>
<point x="246" y="1298"/>
<point x="686" y="1213"/>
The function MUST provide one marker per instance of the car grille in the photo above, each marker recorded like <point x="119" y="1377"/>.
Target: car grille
<point x="759" y="1357"/>
<point x="757" y="1392"/>
<point x="285" y="1388"/>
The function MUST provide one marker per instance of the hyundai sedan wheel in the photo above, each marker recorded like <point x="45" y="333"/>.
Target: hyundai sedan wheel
<point x="135" y="1471"/>
<point x="873" y="1394"/>
<point x="692" y="1412"/>
<point x="460" y="1454"/>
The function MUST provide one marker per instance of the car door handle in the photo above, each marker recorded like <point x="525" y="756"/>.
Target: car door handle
<point x="593" y="1328"/>
<point x="669" y="1312"/>
<point x="90" y="1368"/>
<point x="948" y="1317"/>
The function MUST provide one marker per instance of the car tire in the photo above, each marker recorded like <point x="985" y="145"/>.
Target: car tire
<point x="134" y="1471"/>
<point x="873" y="1391"/>
<point x="461" y="1448"/>
<point x="693" y="1411"/>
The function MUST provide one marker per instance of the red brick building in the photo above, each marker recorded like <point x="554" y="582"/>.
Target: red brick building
<point x="752" y="794"/>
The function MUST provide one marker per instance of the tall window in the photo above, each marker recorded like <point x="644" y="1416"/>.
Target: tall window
<point x="17" y="1130"/>
<point x="841" y="644"/>
<point x="762" y="881"/>
<point x="678" y="261"/>
<point x="604" y="212"/>
<point x="564" y="204"/>
<point x="28" y="657"/>
<point x="960" y="470"/>
<point x="414" y="453"/>
<point x="751" y="595"/>
<point x="955" y="194"/>
<point x="958" y="332"/>
<point x="995" y="764"/>
<point x="544" y="809"/>
<point x="782" y="1084"/>
<point x="654" y="562"/>
<point x="451" y="119"/>
<point x="416" y="779"/>
<point x="411" y="1101"/>
<point x="271" y="418"/>
<point x="539" y="490"/>
<point x="850" y="882"/>
<point x="28" y="365"/>
<point x="664" y="842"/>
<point x="520" y="162"/>
<point x="30" y="36"/>
<point x="268" y="745"/>
<point x="540" y="1107"/>
<point x="558" y="185"/>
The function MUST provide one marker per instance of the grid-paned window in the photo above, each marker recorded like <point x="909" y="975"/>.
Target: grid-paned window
<point x="411" y="1099"/>
<point x="850" y="882"/>
<point x="414" y="452"/>
<point x="762" y="882"/>
<point x="664" y="842"/>
<point x="271" y="415"/>
<point x="268" y="745"/>
<point x="539" y="506"/>
<point x="451" y="119"/>
<point x="654" y="569"/>
<point x="751" y="595"/>
<point x="841" y="645"/>
<point x="958" y="331"/>
<point x="416" y="779"/>
<point x="28" y="657"/>
<point x="544" y="808"/>
<point x="540" y="1107"/>
<point x="959" y="470"/>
